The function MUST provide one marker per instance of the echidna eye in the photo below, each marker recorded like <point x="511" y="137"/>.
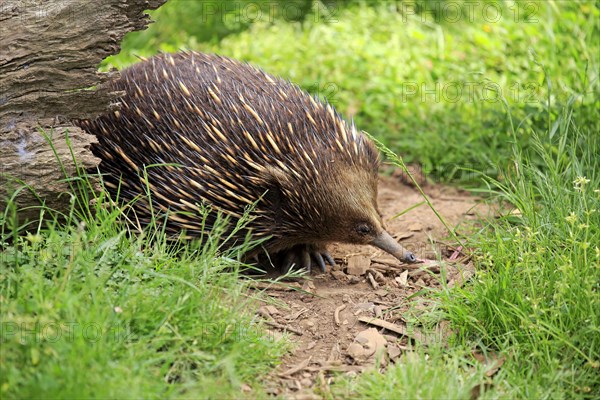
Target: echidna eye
<point x="363" y="229"/>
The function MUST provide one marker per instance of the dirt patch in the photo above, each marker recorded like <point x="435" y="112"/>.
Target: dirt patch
<point x="331" y="317"/>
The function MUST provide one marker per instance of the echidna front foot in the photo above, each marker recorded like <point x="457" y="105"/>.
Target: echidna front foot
<point x="305" y="256"/>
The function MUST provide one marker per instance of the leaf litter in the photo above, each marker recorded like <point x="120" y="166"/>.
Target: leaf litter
<point x="350" y="319"/>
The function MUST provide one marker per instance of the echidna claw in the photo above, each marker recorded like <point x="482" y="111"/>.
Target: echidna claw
<point x="305" y="256"/>
<point x="319" y="260"/>
<point x="329" y="258"/>
<point x="289" y="261"/>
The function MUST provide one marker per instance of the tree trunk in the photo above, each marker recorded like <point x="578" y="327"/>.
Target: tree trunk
<point x="49" y="56"/>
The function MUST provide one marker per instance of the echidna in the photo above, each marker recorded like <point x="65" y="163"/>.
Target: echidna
<point x="200" y="129"/>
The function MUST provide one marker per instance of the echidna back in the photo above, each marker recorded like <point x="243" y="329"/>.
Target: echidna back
<point x="197" y="129"/>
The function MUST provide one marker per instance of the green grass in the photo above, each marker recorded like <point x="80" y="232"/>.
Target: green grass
<point x="430" y="91"/>
<point x="537" y="295"/>
<point x="435" y="374"/>
<point x="90" y="310"/>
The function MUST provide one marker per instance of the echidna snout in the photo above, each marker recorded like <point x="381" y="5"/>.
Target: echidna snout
<point x="387" y="243"/>
<point x="358" y="220"/>
<point x="375" y="235"/>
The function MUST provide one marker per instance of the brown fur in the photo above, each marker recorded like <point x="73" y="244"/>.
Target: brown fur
<point x="232" y="135"/>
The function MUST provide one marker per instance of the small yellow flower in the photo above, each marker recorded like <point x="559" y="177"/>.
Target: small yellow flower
<point x="571" y="218"/>
<point x="33" y="239"/>
<point x="581" y="180"/>
<point x="580" y="183"/>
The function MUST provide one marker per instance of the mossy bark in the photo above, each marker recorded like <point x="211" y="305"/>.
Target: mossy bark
<point x="49" y="57"/>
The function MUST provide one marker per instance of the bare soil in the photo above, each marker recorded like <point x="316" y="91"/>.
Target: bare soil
<point x="330" y="317"/>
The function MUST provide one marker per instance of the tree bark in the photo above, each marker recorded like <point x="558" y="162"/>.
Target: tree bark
<point x="49" y="57"/>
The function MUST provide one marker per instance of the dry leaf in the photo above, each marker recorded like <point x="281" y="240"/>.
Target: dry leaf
<point x="403" y="279"/>
<point x="358" y="265"/>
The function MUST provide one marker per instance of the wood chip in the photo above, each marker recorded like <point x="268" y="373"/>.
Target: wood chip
<point x="340" y="276"/>
<point x="382" y="267"/>
<point x="395" y="265"/>
<point x="401" y="330"/>
<point x="358" y="265"/>
<point x="403" y="279"/>
<point x="336" y="314"/>
<point x="393" y="351"/>
<point x="377" y="275"/>
<point x="333" y="353"/>
<point x="309" y="287"/>
<point x="378" y="312"/>
<point x="372" y="281"/>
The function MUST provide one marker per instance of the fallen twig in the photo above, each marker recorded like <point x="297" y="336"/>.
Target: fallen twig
<point x="401" y="330"/>
<point x="337" y="368"/>
<point x="336" y="314"/>
<point x="395" y="266"/>
<point x="284" y="327"/>
<point x="372" y="280"/>
<point x="297" y="368"/>
<point x="377" y="275"/>
<point x="286" y="287"/>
